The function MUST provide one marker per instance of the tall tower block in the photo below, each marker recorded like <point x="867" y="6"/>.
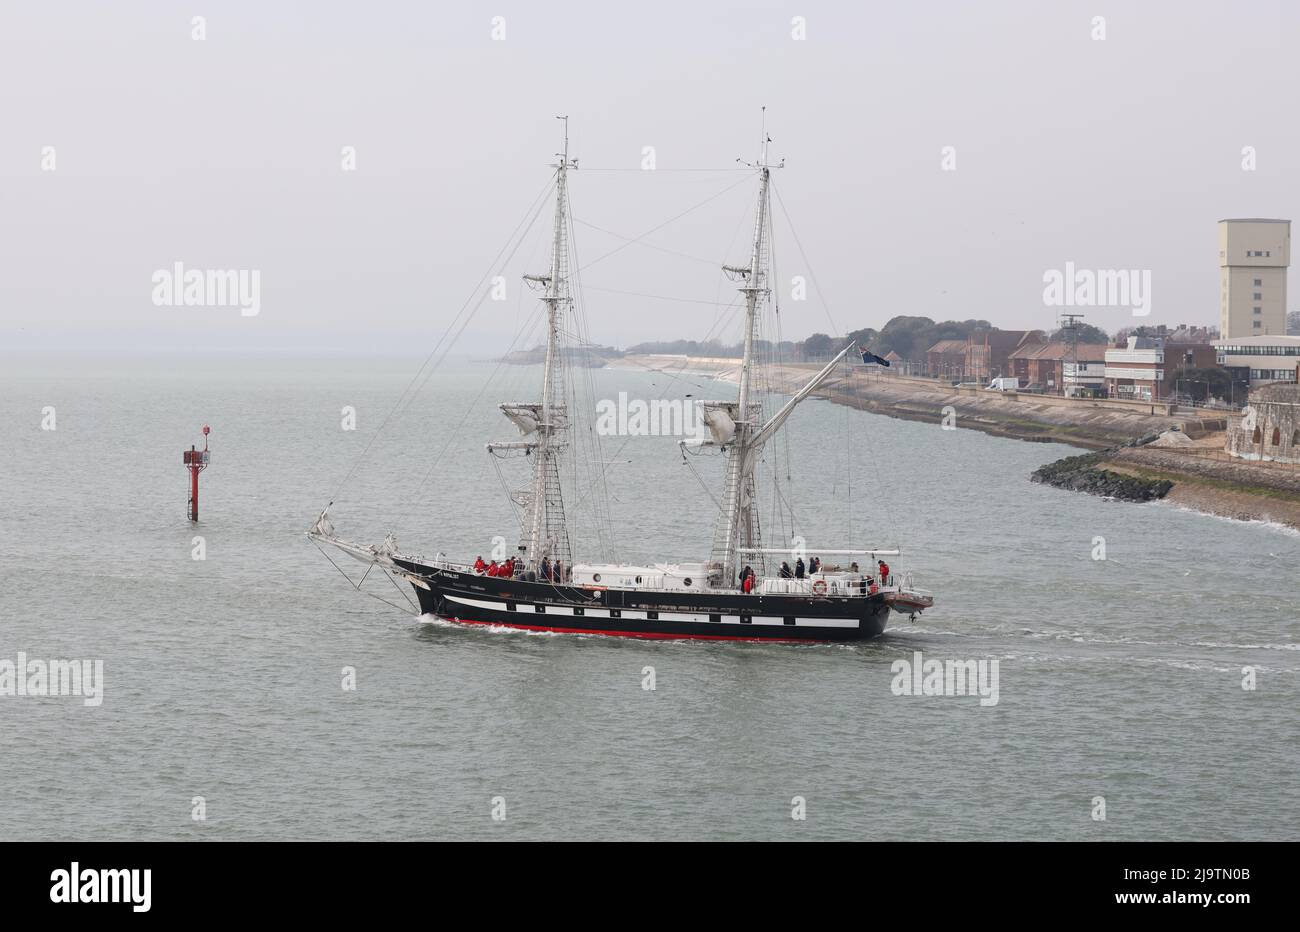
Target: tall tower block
<point x="1253" y="259"/>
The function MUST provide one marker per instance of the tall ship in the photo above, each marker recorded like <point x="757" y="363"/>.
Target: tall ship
<point x="743" y="590"/>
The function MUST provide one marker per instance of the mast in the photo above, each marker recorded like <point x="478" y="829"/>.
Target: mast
<point x="544" y="531"/>
<point x="737" y="526"/>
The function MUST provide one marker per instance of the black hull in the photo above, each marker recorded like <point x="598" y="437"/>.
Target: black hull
<point x="543" y="606"/>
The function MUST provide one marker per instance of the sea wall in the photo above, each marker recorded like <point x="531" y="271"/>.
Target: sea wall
<point x="1131" y="461"/>
<point x="1093" y="424"/>
<point x="1087" y="473"/>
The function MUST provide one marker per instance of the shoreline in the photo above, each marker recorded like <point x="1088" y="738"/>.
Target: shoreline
<point x="1202" y="478"/>
<point x="1228" y="489"/>
<point x="1092" y="425"/>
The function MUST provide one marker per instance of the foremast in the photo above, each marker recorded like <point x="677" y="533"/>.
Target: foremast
<point x="544" y="532"/>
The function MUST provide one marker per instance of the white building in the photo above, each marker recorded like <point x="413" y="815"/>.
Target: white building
<point x="1136" y="371"/>
<point x="1083" y="378"/>
<point x="1253" y="259"/>
<point x="1269" y="359"/>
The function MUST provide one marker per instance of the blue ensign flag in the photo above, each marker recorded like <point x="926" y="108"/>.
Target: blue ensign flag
<point x="869" y="357"/>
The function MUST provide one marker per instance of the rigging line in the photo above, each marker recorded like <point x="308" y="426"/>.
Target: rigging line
<point x="672" y="252"/>
<point x="875" y="465"/>
<point x="633" y="364"/>
<point x="672" y="377"/>
<point x="539" y="240"/>
<point x="357" y="586"/>
<point x="704" y="485"/>
<point x="366" y="450"/>
<point x="783" y="501"/>
<point x="848" y="460"/>
<point x="483" y="296"/>
<point x="602" y="515"/>
<point x="778" y="359"/>
<point x="719" y="320"/>
<point x="731" y="243"/>
<point x="454" y="435"/>
<point x="655" y="229"/>
<point x="660" y="297"/>
<point x="718" y="324"/>
<point x="510" y="493"/>
<point x="469" y="408"/>
<point x="402" y="592"/>
<point x="656" y="171"/>
<point x="811" y="274"/>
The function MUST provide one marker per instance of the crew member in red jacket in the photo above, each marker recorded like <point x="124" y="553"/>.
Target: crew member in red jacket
<point x="884" y="572"/>
<point x="479" y="565"/>
<point x="492" y="568"/>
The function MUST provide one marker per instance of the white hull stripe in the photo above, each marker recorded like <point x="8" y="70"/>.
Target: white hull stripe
<point x="525" y="609"/>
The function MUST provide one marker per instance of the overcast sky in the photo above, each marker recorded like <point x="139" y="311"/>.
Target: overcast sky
<point x="226" y="153"/>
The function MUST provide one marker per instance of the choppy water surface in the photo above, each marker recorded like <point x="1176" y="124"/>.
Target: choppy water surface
<point x="1119" y="678"/>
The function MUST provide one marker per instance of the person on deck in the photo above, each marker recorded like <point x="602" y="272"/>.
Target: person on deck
<point x="798" y="568"/>
<point x="747" y="585"/>
<point x="786" y="572"/>
<point x="884" y="572"/>
<point x="491" y="569"/>
<point x="479" y="566"/>
<point x="557" y="572"/>
<point x="546" y="569"/>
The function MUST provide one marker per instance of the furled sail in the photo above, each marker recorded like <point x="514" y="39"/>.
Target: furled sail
<point x="524" y="416"/>
<point x="720" y="417"/>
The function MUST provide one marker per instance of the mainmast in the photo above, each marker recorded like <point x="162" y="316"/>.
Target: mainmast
<point x="737" y="526"/>
<point x="544" y="532"/>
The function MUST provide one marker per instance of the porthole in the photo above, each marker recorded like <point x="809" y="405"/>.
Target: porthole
<point x="638" y="580"/>
<point x="686" y="581"/>
<point x="595" y="578"/>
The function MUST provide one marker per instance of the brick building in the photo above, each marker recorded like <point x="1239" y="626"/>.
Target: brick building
<point x="987" y="353"/>
<point x="1041" y="366"/>
<point x="1148" y="368"/>
<point x="946" y="360"/>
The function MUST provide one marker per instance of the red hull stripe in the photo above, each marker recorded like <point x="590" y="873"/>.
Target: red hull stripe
<point x="647" y="635"/>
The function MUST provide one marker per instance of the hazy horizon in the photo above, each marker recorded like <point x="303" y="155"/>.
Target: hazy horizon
<point x="225" y="153"/>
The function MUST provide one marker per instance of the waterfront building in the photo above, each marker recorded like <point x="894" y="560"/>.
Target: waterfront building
<point x="1084" y="379"/>
<point x="987" y="352"/>
<point x="1041" y="366"/>
<point x="1268" y="428"/>
<point x="1253" y="259"/>
<point x="1260" y="360"/>
<point x="946" y="360"/>
<point x="1147" y="369"/>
